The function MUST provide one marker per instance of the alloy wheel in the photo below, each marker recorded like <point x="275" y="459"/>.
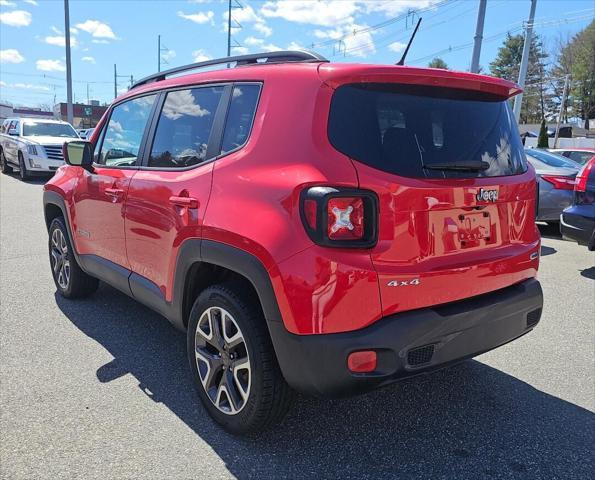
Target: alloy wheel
<point x="222" y="360"/>
<point x="60" y="259"/>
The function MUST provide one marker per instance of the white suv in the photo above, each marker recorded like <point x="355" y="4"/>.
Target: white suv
<point x="33" y="146"/>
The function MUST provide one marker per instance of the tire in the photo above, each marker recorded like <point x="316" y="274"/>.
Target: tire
<point x="4" y="166"/>
<point x="250" y="364"/>
<point x="23" y="173"/>
<point x="70" y="280"/>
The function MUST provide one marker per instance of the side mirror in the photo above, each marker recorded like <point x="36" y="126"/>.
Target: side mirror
<point x="78" y="153"/>
<point x="13" y="132"/>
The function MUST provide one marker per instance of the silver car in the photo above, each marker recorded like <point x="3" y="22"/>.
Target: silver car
<point x="555" y="175"/>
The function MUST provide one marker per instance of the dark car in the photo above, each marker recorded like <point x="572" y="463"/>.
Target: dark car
<point x="556" y="177"/>
<point x="577" y="222"/>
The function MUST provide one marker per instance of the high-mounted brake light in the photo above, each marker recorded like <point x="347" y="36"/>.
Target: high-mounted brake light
<point x="340" y="217"/>
<point x="560" y="182"/>
<point x="583" y="176"/>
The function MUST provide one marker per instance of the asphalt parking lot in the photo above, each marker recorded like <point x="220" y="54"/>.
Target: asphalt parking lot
<point x="100" y="389"/>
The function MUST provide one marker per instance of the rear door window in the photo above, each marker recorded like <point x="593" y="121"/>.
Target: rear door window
<point x="184" y="127"/>
<point x="403" y="129"/>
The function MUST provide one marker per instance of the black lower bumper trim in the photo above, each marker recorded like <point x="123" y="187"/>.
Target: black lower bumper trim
<point x="317" y="364"/>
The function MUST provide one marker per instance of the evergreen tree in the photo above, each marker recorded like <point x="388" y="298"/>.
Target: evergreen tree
<point x="438" y="63"/>
<point x="542" y="141"/>
<point x="507" y="65"/>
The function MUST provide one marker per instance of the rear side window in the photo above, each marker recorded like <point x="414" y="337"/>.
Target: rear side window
<point x="550" y="159"/>
<point x="240" y="116"/>
<point x="580" y="157"/>
<point x="403" y="129"/>
<point x="184" y="127"/>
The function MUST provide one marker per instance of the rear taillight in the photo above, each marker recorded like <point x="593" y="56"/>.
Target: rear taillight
<point x="583" y="176"/>
<point x="340" y="217"/>
<point x="560" y="182"/>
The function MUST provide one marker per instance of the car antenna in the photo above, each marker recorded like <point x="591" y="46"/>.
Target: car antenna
<point x="402" y="61"/>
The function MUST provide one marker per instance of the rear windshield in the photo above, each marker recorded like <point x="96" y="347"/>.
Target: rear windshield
<point x="550" y="159"/>
<point x="403" y="129"/>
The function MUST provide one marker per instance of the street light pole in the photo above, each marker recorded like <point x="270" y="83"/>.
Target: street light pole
<point x="115" y="81"/>
<point x="158" y="53"/>
<point x="481" y="14"/>
<point x="229" y="29"/>
<point x="518" y="100"/>
<point x="69" y="112"/>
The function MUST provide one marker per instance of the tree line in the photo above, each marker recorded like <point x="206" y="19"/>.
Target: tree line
<point x="574" y="56"/>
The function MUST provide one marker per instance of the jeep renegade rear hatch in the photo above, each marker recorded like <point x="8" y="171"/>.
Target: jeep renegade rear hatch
<point x="456" y="197"/>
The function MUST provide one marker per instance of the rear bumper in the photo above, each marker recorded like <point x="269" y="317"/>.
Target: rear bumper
<point x="577" y="223"/>
<point x="317" y="364"/>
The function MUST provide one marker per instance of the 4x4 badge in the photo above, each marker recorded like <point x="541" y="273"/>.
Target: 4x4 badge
<point x="487" y="195"/>
<point x="404" y="283"/>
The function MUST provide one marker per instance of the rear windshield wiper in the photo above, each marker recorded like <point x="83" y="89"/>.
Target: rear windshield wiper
<point x="469" y="165"/>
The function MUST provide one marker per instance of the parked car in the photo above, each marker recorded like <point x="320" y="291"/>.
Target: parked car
<point x="331" y="241"/>
<point x="555" y="175"/>
<point x="86" y="133"/>
<point x="577" y="222"/>
<point x="33" y="146"/>
<point x="578" y="155"/>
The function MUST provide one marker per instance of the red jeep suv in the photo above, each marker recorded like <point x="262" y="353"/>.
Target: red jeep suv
<point x="319" y="227"/>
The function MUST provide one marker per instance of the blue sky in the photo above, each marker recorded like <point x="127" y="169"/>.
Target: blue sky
<point x="125" y="32"/>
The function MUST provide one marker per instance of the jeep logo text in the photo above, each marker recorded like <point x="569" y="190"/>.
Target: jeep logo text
<point x="487" y="195"/>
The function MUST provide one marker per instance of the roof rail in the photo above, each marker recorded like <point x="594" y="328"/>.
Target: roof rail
<point x="266" y="57"/>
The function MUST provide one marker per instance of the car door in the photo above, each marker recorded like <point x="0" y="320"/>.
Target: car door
<point x="168" y="196"/>
<point x="100" y="195"/>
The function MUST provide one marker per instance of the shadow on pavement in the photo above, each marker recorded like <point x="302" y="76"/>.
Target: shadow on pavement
<point x="589" y="273"/>
<point x="545" y="251"/>
<point x="550" y="230"/>
<point x="469" y="421"/>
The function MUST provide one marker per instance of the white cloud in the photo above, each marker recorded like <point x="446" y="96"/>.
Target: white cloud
<point x="240" y="50"/>
<point x="354" y="42"/>
<point x="391" y="8"/>
<point x="88" y="59"/>
<point x="73" y="31"/>
<point x="100" y="41"/>
<point x="50" y="65"/>
<point x="397" y="47"/>
<point x="244" y="15"/>
<point x="263" y="29"/>
<point x="181" y="103"/>
<point x="60" y="41"/>
<point x="97" y="29"/>
<point x="56" y="30"/>
<point x="200" y="1"/>
<point x="295" y="46"/>
<point x="200" y="56"/>
<point x="315" y="13"/>
<point x="6" y="3"/>
<point x="168" y="55"/>
<point x="25" y="86"/>
<point x="260" y="45"/>
<point x="16" y="18"/>
<point x="31" y="2"/>
<point x="199" y="17"/>
<point x="11" y="55"/>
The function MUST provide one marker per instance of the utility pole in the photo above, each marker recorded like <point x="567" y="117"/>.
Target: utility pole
<point x="131" y="81"/>
<point x="229" y="29"/>
<point x="158" y="53"/>
<point x="481" y="14"/>
<point x="115" y="81"/>
<point x="87" y="93"/>
<point x="69" y="112"/>
<point x="562" y="103"/>
<point x="518" y="100"/>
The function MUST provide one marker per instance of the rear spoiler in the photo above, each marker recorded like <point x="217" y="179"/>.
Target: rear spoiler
<point x="357" y="73"/>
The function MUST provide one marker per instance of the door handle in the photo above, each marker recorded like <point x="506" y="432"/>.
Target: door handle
<point x="115" y="193"/>
<point x="188" y="202"/>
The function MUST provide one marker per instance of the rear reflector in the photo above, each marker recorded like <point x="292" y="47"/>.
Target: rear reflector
<point x="345" y="218"/>
<point x="559" y="182"/>
<point x="363" y="361"/>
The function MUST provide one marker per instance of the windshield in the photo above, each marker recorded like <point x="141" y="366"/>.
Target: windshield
<point x="404" y="129"/>
<point x="38" y="129"/>
<point x="550" y="159"/>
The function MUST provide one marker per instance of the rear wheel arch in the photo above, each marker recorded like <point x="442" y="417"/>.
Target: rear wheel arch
<point x="202" y="263"/>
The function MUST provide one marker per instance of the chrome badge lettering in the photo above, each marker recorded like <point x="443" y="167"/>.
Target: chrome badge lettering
<point x="404" y="283"/>
<point x="487" y="195"/>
